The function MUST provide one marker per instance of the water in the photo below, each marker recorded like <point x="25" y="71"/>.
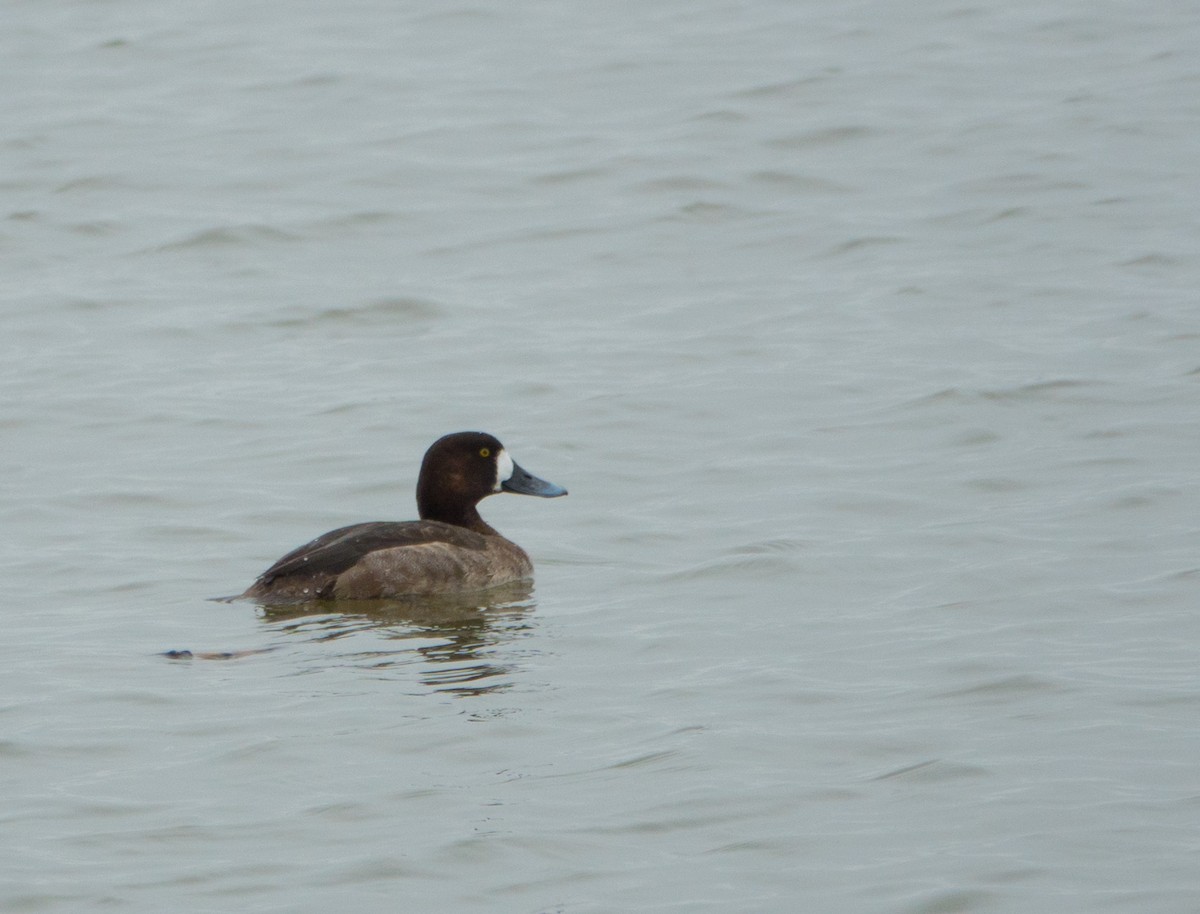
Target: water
<point x="864" y="336"/>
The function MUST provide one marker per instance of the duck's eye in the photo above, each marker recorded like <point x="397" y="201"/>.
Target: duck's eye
<point x="484" y="452"/>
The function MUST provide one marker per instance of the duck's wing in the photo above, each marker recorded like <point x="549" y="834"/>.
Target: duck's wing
<point x="338" y="550"/>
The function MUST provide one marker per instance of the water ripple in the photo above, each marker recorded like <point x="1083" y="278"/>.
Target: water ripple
<point x="249" y="235"/>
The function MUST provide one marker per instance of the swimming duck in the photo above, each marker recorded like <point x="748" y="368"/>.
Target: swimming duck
<point x="450" y="549"/>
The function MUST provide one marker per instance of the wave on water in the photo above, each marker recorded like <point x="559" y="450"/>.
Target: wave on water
<point x="250" y="235"/>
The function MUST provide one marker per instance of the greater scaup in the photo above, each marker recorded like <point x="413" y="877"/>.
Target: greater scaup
<point x="449" y="549"/>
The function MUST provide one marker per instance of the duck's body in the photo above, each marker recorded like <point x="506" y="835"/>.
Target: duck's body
<point x="450" y="549"/>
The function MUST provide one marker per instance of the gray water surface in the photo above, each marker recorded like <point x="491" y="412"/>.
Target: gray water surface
<point x="865" y="337"/>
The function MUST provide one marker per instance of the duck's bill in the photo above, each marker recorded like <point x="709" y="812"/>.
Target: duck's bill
<point x="527" y="484"/>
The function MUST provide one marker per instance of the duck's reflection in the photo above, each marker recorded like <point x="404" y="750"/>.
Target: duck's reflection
<point x="462" y="643"/>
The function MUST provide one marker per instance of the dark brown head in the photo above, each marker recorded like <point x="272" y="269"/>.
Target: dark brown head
<point x="461" y="470"/>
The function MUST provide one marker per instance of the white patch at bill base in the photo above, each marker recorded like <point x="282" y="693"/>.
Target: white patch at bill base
<point x="504" y="468"/>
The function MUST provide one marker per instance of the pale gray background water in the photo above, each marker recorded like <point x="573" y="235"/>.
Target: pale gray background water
<point x="865" y="336"/>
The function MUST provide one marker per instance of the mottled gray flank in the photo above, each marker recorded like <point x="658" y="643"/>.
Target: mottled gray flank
<point x="467" y="562"/>
<point x="442" y="569"/>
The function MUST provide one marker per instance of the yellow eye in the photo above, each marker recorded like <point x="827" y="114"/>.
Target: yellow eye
<point x="484" y="452"/>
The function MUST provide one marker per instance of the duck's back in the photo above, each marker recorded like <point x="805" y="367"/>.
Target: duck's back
<point x="385" y="559"/>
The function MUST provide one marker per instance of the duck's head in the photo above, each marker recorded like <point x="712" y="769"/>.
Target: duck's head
<point x="462" y="469"/>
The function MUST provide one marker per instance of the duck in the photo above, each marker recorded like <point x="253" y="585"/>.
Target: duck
<point x="450" y="549"/>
